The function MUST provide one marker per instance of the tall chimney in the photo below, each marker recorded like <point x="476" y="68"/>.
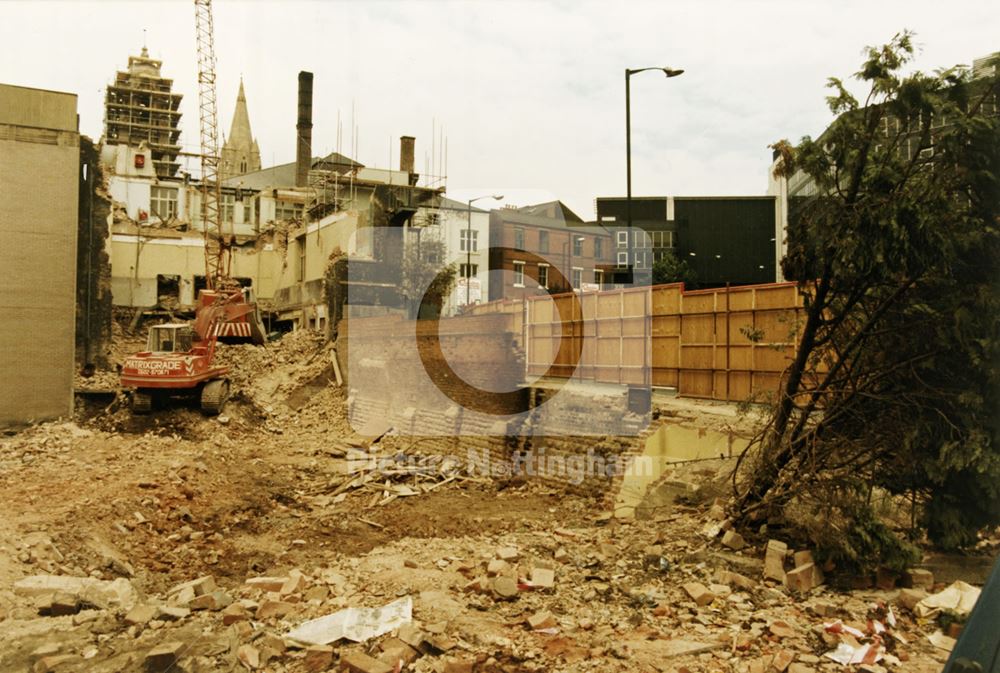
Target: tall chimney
<point x="406" y="144"/>
<point x="303" y="129"/>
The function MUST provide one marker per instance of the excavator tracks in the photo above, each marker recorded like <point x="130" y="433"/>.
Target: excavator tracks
<point x="213" y="397"/>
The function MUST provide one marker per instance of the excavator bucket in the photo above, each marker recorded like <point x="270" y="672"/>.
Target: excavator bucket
<point x="229" y="316"/>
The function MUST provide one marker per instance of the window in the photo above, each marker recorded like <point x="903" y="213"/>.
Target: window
<point x="468" y="270"/>
<point x="622" y="259"/>
<point x="598" y="248"/>
<point x="669" y="240"/>
<point x="163" y="202"/>
<point x="578" y="245"/>
<point x="519" y="238"/>
<point x="640" y="260"/>
<point x="543" y="275"/>
<point x="431" y="219"/>
<point x="577" y="278"/>
<point x="247" y="211"/>
<point x="622" y="238"/>
<point x="519" y="273"/>
<point x="431" y="254"/>
<point x="284" y="210"/>
<point x="599" y="279"/>
<point x="543" y="242"/>
<point x="468" y="240"/>
<point x="227" y="207"/>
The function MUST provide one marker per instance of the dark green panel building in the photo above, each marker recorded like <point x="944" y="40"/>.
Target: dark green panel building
<point x="727" y="239"/>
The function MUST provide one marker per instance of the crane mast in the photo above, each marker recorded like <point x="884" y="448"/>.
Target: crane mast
<point x="217" y="253"/>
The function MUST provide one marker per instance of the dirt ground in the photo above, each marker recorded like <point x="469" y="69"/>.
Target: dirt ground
<point x="143" y="504"/>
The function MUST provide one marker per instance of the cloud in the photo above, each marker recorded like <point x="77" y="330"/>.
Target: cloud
<point x="528" y="93"/>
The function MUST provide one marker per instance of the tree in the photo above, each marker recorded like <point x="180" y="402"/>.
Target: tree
<point x="425" y="281"/>
<point x="670" y="269"/>
<point x="894" y="386"/>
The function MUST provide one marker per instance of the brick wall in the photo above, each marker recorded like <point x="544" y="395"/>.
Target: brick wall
<point x="388" y="391"/>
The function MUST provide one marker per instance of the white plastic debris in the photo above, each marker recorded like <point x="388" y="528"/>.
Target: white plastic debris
<point x="357" y="624"/>
<point x="846" y="654"/>
<point x="959" y="598"/>
<point x="941" y="641"/>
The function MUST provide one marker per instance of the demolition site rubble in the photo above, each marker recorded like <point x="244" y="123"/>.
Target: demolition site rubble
<point x="274" y="538"/>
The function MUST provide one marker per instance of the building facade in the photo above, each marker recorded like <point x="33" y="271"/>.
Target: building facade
<point x="724" y="239"/>
<point x="39" y="180"/>
<point x="546" y="249"/>
<point x="140" y="108"/>
<point x="464" y="234"/>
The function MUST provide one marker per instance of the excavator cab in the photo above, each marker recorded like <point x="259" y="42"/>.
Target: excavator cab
<point x="170" y="338"/>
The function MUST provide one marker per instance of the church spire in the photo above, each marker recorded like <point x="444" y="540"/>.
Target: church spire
<point x="240" y="153"/>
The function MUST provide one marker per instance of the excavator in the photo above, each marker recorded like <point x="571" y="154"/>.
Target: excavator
<point x="179" y="357"/>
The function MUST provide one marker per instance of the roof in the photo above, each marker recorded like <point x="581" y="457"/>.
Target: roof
<point x="283" y="175"/>
<point x="551" y="209"/>
<point x="452" y="204"/>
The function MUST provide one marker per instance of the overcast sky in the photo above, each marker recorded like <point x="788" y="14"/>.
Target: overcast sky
<point x="530" y="95"/>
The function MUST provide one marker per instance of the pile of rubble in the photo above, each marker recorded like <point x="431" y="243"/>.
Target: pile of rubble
<point x="609" y="596"/>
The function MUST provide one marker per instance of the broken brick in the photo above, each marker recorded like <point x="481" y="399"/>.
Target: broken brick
<point x="52" y="663"/>
<point x="249" y="656"/>
<point x="918" y="578"/>
<point x="270" y="609"/>
<point x="459" y="665"/>
<point x="318" y="658"/>
<point x="543" y="577"/>
<point x="163" y="658"/>
<point x="507" y="553"/>
<point x="496" y="567"/>
<point x="699" y="593"/>
<point x="140" y="614"/>
<point x="781" y="629"/>
<point x="169" y="613"/>
<point x="733" y="540"/>
<point x="804" y="578"/>
<point x="213" y="601"/>
<point x="395" y="650"/>
<point x="234" y="613"/>
<point x="359" y="662"/>
<point x="909" y="598"/>
<point x="411" y="635"/>
<point x="267" y="583"/>
<point x="803" y="557"/>
<point x="542" y="620"/>
<point x="734" y="580"/>
<point x="782" y="660"/>
<point x="774" y="560"/>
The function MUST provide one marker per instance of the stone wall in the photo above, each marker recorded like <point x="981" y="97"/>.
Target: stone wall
<point x="93" y="263"/>
<point x="39" y="167"/>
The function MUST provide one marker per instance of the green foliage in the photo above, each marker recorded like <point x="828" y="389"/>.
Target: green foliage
<point x="670" y="269"/>
<point x="864" y="544"/>
<point x="897" y="256"/>
<point x="425" y="281"/>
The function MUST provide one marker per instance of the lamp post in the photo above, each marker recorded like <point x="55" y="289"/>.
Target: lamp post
<point x="669" y="72"/>
<point x="468" y="245"/>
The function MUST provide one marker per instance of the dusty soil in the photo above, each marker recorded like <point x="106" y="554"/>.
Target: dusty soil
<point x="164" y="499"/>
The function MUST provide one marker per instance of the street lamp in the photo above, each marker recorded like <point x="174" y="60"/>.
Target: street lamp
<point x="669" y="72"/>
<point x="468" y="245"/>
